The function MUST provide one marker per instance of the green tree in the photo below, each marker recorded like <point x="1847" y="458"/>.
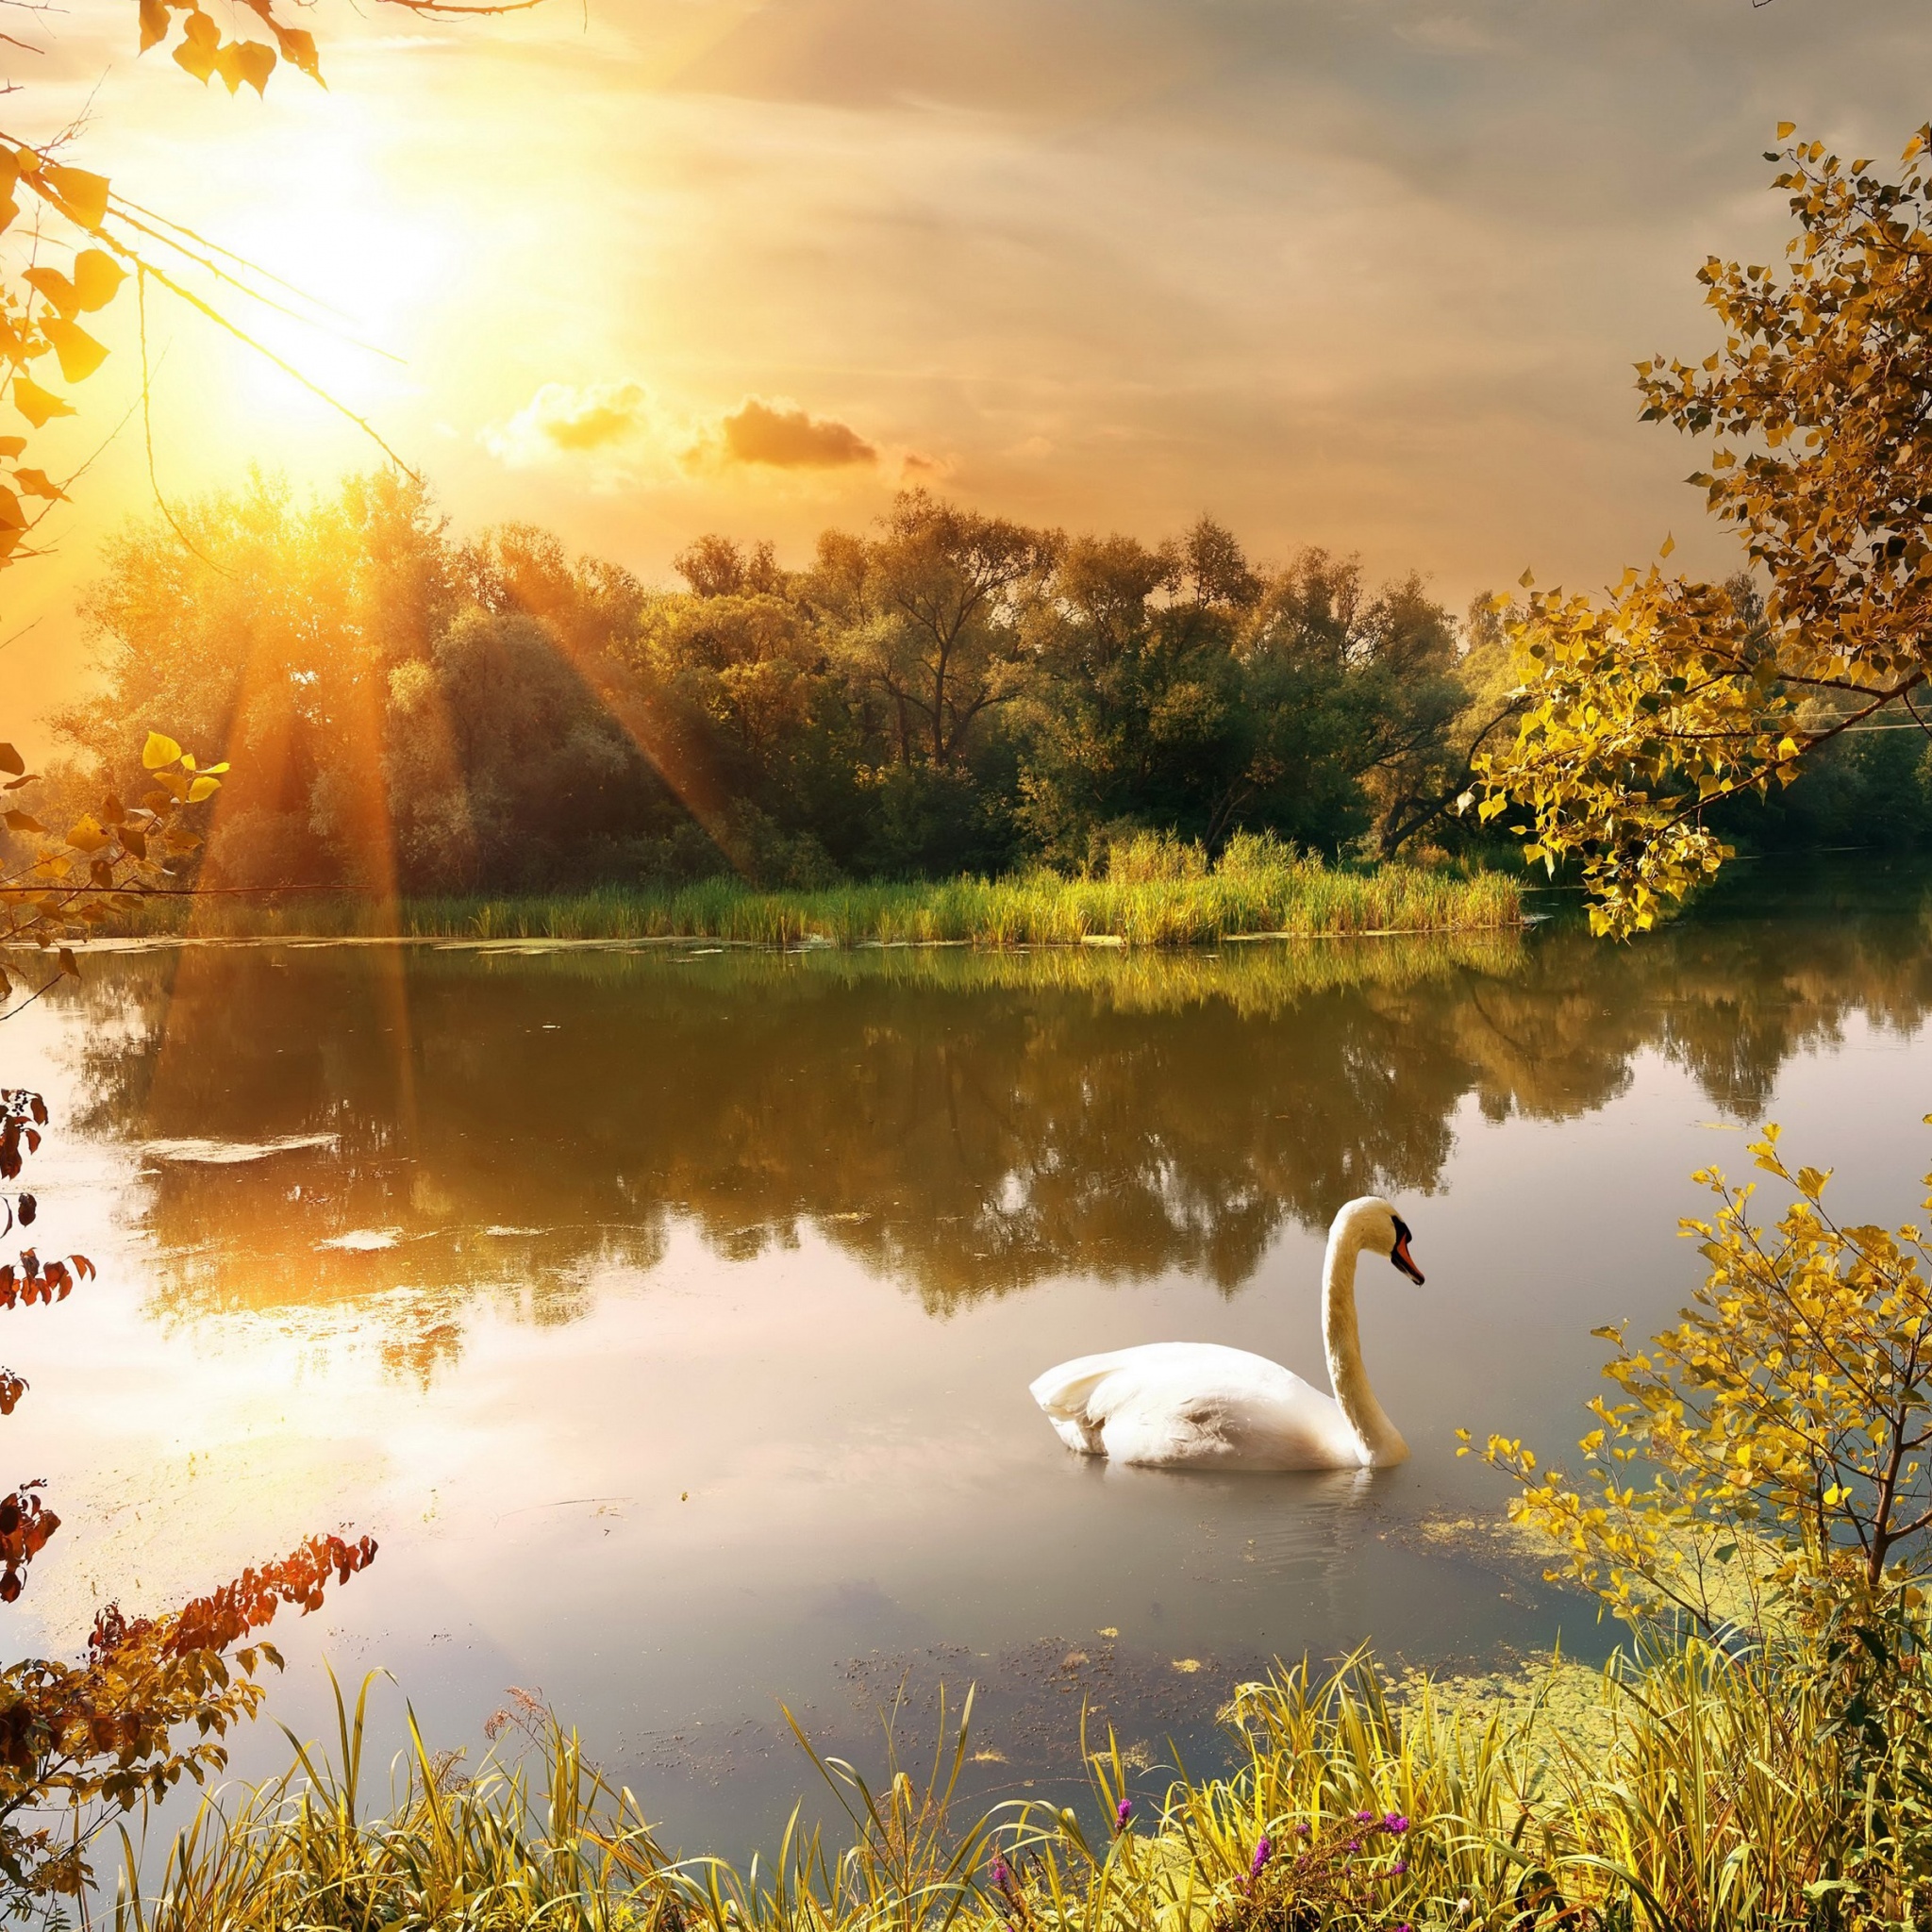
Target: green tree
<point x="1134" y="717"/>
<point x="275" y="636"/>
<point x="928" y="614"/>
<point x="1350" y="697"/>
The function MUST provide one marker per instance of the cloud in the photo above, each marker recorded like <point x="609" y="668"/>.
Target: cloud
<point x="564" y="419"/>
<point x="790" y="440"/>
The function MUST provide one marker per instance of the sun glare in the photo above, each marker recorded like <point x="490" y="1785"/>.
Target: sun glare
<point x="374" y="265"/>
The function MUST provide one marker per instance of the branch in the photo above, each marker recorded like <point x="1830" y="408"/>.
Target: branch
<point x="1705" y="800"/>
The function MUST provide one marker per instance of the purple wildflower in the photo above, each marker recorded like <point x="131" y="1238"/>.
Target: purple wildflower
<point x="1394" y="1822"/>
<point x="998" y="1871"/>
<point x="1364" y="1817"/>
<point x="1264" y="1850"/>
<point x="1123" y="1812"/>
<point x="1301" y="1831"/>
<point x="1400" y="1866"/>
<point x="1354" y="1845"/>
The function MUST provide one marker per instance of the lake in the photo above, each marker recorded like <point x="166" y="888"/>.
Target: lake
<point x="667" y="1312"/>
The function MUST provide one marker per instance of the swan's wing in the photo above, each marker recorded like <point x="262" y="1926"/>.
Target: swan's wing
<point x="1196" y="1403"/>
<point x="1068" y="1392"/>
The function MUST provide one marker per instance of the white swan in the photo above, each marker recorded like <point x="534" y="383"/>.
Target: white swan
<point x="1196" y="1404"/>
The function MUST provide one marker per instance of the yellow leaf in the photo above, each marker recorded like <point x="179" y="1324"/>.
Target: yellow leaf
<point x="55" y="287"/>
<point x="80" y="196"/>
<point x="159" y="751"/>
<point x="254" y="60"/>
<point x="80" y="354"/>
<point x="1786" y="130"/>
<point x="298" y="46"/>
<point x="1527" y="578"/>
<point x="97" y="278"/>
<point x="1670" y="544"/>
<point x="38" y="404"/>
<point x="85" y="836"/>
<point x="38" y="483"/>
<point x="154" y="24"/>
<point x="204" y="787"/>
<point x="201" y="40"/>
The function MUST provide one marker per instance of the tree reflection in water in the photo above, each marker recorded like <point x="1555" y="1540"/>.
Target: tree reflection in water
<point x="967" y="1124"/>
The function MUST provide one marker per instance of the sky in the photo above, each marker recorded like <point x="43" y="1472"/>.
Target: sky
<point x="1364" y="273"/>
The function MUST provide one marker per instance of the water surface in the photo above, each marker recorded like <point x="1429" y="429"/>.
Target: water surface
<point x="667" y="1313"/>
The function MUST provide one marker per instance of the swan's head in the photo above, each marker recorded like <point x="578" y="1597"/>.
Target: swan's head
<point x="1378" y="1227"/>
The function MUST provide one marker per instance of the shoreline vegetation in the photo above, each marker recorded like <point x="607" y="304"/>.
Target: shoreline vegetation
<point x="1157" y="893"/>
<point x="1687" y="1789"/>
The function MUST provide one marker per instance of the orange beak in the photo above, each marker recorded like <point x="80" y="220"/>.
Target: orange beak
<point x="1404" y="1260"/>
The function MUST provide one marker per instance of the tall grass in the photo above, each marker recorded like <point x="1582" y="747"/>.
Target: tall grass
<point x="1156" y="894"/>
<point x="1698" y="1791"/>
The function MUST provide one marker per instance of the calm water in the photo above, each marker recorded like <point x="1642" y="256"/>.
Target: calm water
<point x="667" y="1313"/>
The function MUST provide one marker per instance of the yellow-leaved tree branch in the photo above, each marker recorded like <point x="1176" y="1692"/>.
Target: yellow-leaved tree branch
<point x="1643" y="710"/>
<point x="1772" y="1453"/>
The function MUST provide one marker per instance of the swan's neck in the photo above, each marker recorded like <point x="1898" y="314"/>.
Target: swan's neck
<point x="1382" y="1441"/>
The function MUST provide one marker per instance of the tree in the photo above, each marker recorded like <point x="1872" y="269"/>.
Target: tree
<point x="1643" y="713"/>
<point x="930" y="611"/>
<point x="1349" y="696"/>
<point x="1134" y="717"/>
<point x="1782" y="1431"/>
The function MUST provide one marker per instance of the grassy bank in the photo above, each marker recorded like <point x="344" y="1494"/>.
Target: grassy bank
<point x="1704" y="1792"/>
<point x="1259" y="887"/>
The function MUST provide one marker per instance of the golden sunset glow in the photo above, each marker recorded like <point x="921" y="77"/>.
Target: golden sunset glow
<point x="1370" y="278"/>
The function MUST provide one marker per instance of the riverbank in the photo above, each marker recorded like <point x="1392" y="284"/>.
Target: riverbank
<point x="1286" y="897"/>
<point x="1700" y="1791"/>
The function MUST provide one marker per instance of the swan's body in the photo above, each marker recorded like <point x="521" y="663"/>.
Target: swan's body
<point x="1196" y="1404"/>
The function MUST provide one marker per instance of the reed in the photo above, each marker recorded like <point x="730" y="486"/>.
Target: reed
<point x="1259" y="887"/>
<point x="1697" y="1792"/>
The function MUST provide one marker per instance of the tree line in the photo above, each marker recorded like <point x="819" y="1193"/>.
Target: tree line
<point x="946" y="691"/>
